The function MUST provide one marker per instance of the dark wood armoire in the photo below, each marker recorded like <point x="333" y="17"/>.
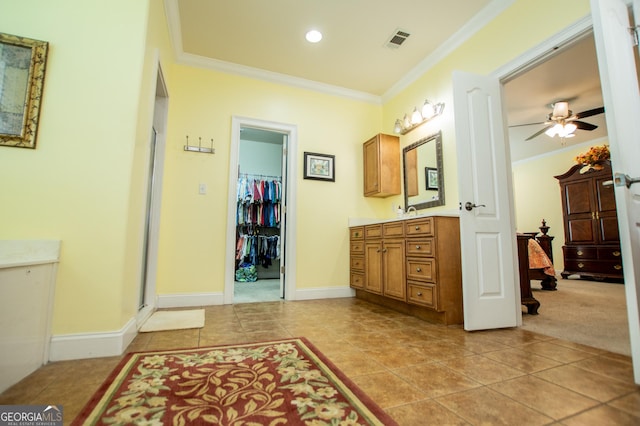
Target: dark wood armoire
<point x="592" y="242"/>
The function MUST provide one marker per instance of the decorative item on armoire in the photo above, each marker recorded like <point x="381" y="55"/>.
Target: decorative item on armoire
<point x="590" y="159"/>
<point x="23" y="62"/>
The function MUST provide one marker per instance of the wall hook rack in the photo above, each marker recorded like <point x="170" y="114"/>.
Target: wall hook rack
<point x="199" y="148"/>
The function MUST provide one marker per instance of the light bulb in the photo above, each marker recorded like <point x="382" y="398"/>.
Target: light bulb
<point x="397" y="128"/>
<point x="313" y="36"/>
<point x="428" y="110"/>
<point x="415" y="116"/>
<point x="405" y="122"/>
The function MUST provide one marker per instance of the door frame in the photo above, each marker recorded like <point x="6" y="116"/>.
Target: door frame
<point x="288" y="210"/>
<point x="148" y="277"/>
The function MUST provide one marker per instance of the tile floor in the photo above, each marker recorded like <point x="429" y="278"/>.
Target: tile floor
<point x="420" y="373"/>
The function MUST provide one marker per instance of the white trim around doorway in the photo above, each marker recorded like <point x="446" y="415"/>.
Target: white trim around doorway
<point x="289" y="209"/>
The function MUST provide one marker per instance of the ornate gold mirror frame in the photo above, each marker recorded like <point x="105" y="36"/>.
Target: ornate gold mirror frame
<point x="22" y="66"/>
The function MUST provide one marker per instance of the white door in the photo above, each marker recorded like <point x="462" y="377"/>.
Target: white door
<point x="490" y="286"/>
<point x="283" y="214"/>
<point x="616" y="61"/>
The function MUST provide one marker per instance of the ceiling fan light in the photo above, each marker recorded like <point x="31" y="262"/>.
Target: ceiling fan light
<point x="555" y="130"/>
<point x="561" y="109"/>
<point x="570" y="128"/>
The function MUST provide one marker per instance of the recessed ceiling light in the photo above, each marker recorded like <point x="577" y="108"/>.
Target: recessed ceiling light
<point x="313" y="36"/>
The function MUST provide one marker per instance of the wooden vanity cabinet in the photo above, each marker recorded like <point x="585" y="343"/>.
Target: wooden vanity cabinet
<point x="384" y="260"/>
<point x="356" y="242"/>
<point x="381" y="158"/>
<point x="413" y="266"/>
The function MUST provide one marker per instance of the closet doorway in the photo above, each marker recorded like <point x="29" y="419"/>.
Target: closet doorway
<point x="259" y="261"/>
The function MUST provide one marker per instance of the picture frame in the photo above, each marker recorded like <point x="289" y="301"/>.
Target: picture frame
<point x="319" y="166"/>
<point x="23" y="61"/>
<point x="431" y="178"/>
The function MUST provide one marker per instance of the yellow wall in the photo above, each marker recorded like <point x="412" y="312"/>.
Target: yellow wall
<point x="519" y="28"/>
<point x="84" y="183"/>
<point x="193" y="226"/>
<point x="75" y="185"/>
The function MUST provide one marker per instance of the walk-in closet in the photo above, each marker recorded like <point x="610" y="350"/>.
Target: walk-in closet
<point x="259" y="221"/>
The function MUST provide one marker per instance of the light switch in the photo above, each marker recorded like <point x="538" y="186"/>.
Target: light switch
<point x="202" y="188"/>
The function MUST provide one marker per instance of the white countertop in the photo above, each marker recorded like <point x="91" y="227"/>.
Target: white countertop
<point x="28" y="252"/>
<point x="360" y="221"/>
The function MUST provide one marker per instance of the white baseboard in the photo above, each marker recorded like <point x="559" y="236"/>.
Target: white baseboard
<point x="92" y="345"/>
<point x="102" y="344"/>
<point x="189" y="299"/>
<point x="324" y="293"/>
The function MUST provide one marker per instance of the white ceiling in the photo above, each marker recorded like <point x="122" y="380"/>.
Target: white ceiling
<point x="265" y="39"/>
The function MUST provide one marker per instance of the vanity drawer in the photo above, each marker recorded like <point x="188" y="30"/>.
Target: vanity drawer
<point x="419" y="227"/>
<point x="423" y="247"/>
<point x="356" y="233"/>
<point x="357" y="263"/>
<point x="373" y="231"/>
<point x="357" y="247"/>
<point x="357" y="280"/>
<point x="393" y="229"/>
<point x="421" y="270"/>
<point x="422" y="294"/>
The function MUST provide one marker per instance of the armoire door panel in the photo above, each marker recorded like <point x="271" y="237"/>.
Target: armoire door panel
<point x="578" y="198"/>
<point x="605" y="196"/>
<point x="581" y="231"/>
<point x="609" y="230"/>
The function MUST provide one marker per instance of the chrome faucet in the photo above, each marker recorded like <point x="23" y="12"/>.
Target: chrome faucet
<point x="410" y="209"/>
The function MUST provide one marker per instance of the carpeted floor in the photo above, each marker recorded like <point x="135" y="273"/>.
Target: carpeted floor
<point x="587" y="312"/>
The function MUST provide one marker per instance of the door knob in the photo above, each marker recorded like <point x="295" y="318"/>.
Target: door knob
<point x="620" y="179"/>
<point x="469" y="205"/>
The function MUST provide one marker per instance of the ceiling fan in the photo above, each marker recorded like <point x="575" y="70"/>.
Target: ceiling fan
<point x="562" y="122"/>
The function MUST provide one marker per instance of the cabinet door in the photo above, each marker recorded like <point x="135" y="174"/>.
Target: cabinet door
<point x="578" y="199"/>
<point x="606" y="212"/>
<point x="373" y="267"/>
<point x="393" y="269"/>
<point x="371" y="154"/>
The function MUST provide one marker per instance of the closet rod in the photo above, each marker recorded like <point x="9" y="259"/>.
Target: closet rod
<point x="252" y="175"/>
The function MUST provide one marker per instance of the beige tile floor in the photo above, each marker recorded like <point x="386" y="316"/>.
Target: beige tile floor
<point x="420" y="373"/>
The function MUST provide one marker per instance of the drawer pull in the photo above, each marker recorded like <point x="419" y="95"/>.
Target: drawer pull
<point x="357" y="234"/>
<point x="417" y="228"/>
<point x="580" y="265"/>
<point x="617" y="267"/>
<point x="418" y="247"/>
<point x="616" y="253"/>
<point x="419" y="293"/>
<point x="418" y="269"/>
<point x="580" y="253"/>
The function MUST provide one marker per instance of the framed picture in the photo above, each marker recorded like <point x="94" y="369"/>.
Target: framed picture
<point x="431" y="177"/>
<point x="22" y="61"/>
<point x="319" y="166"/>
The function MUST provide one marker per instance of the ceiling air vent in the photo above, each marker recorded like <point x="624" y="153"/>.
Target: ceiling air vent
<point x="397" y="39"/>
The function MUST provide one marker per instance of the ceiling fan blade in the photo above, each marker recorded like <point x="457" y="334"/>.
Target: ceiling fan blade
<point x="527" y="124"/>
<point x="584" y="126"/>
<point x="590" y="112"/>
<point x="538" y="133"/>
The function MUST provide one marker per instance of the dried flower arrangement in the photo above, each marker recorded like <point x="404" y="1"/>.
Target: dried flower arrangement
<point x="595" y="153"/>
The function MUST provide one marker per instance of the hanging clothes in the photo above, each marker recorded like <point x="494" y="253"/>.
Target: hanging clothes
<point x="258" y="201"/>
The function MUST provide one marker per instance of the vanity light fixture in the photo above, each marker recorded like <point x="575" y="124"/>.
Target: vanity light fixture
<point x="427" y="112"/>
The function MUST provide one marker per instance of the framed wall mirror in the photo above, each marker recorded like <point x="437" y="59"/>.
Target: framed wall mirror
<point x="423" y="173"/>
<point x="22" y="66"/>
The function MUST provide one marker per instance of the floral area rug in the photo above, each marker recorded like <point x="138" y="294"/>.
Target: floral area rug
<point x="284" y="382"/>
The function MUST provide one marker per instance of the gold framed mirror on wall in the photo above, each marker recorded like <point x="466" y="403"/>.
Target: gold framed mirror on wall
<point x="22" y="66"/>
<point x="423" y="173"/>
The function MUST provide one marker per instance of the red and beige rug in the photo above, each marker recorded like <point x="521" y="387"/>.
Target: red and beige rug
<point x="284" y="382"/>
